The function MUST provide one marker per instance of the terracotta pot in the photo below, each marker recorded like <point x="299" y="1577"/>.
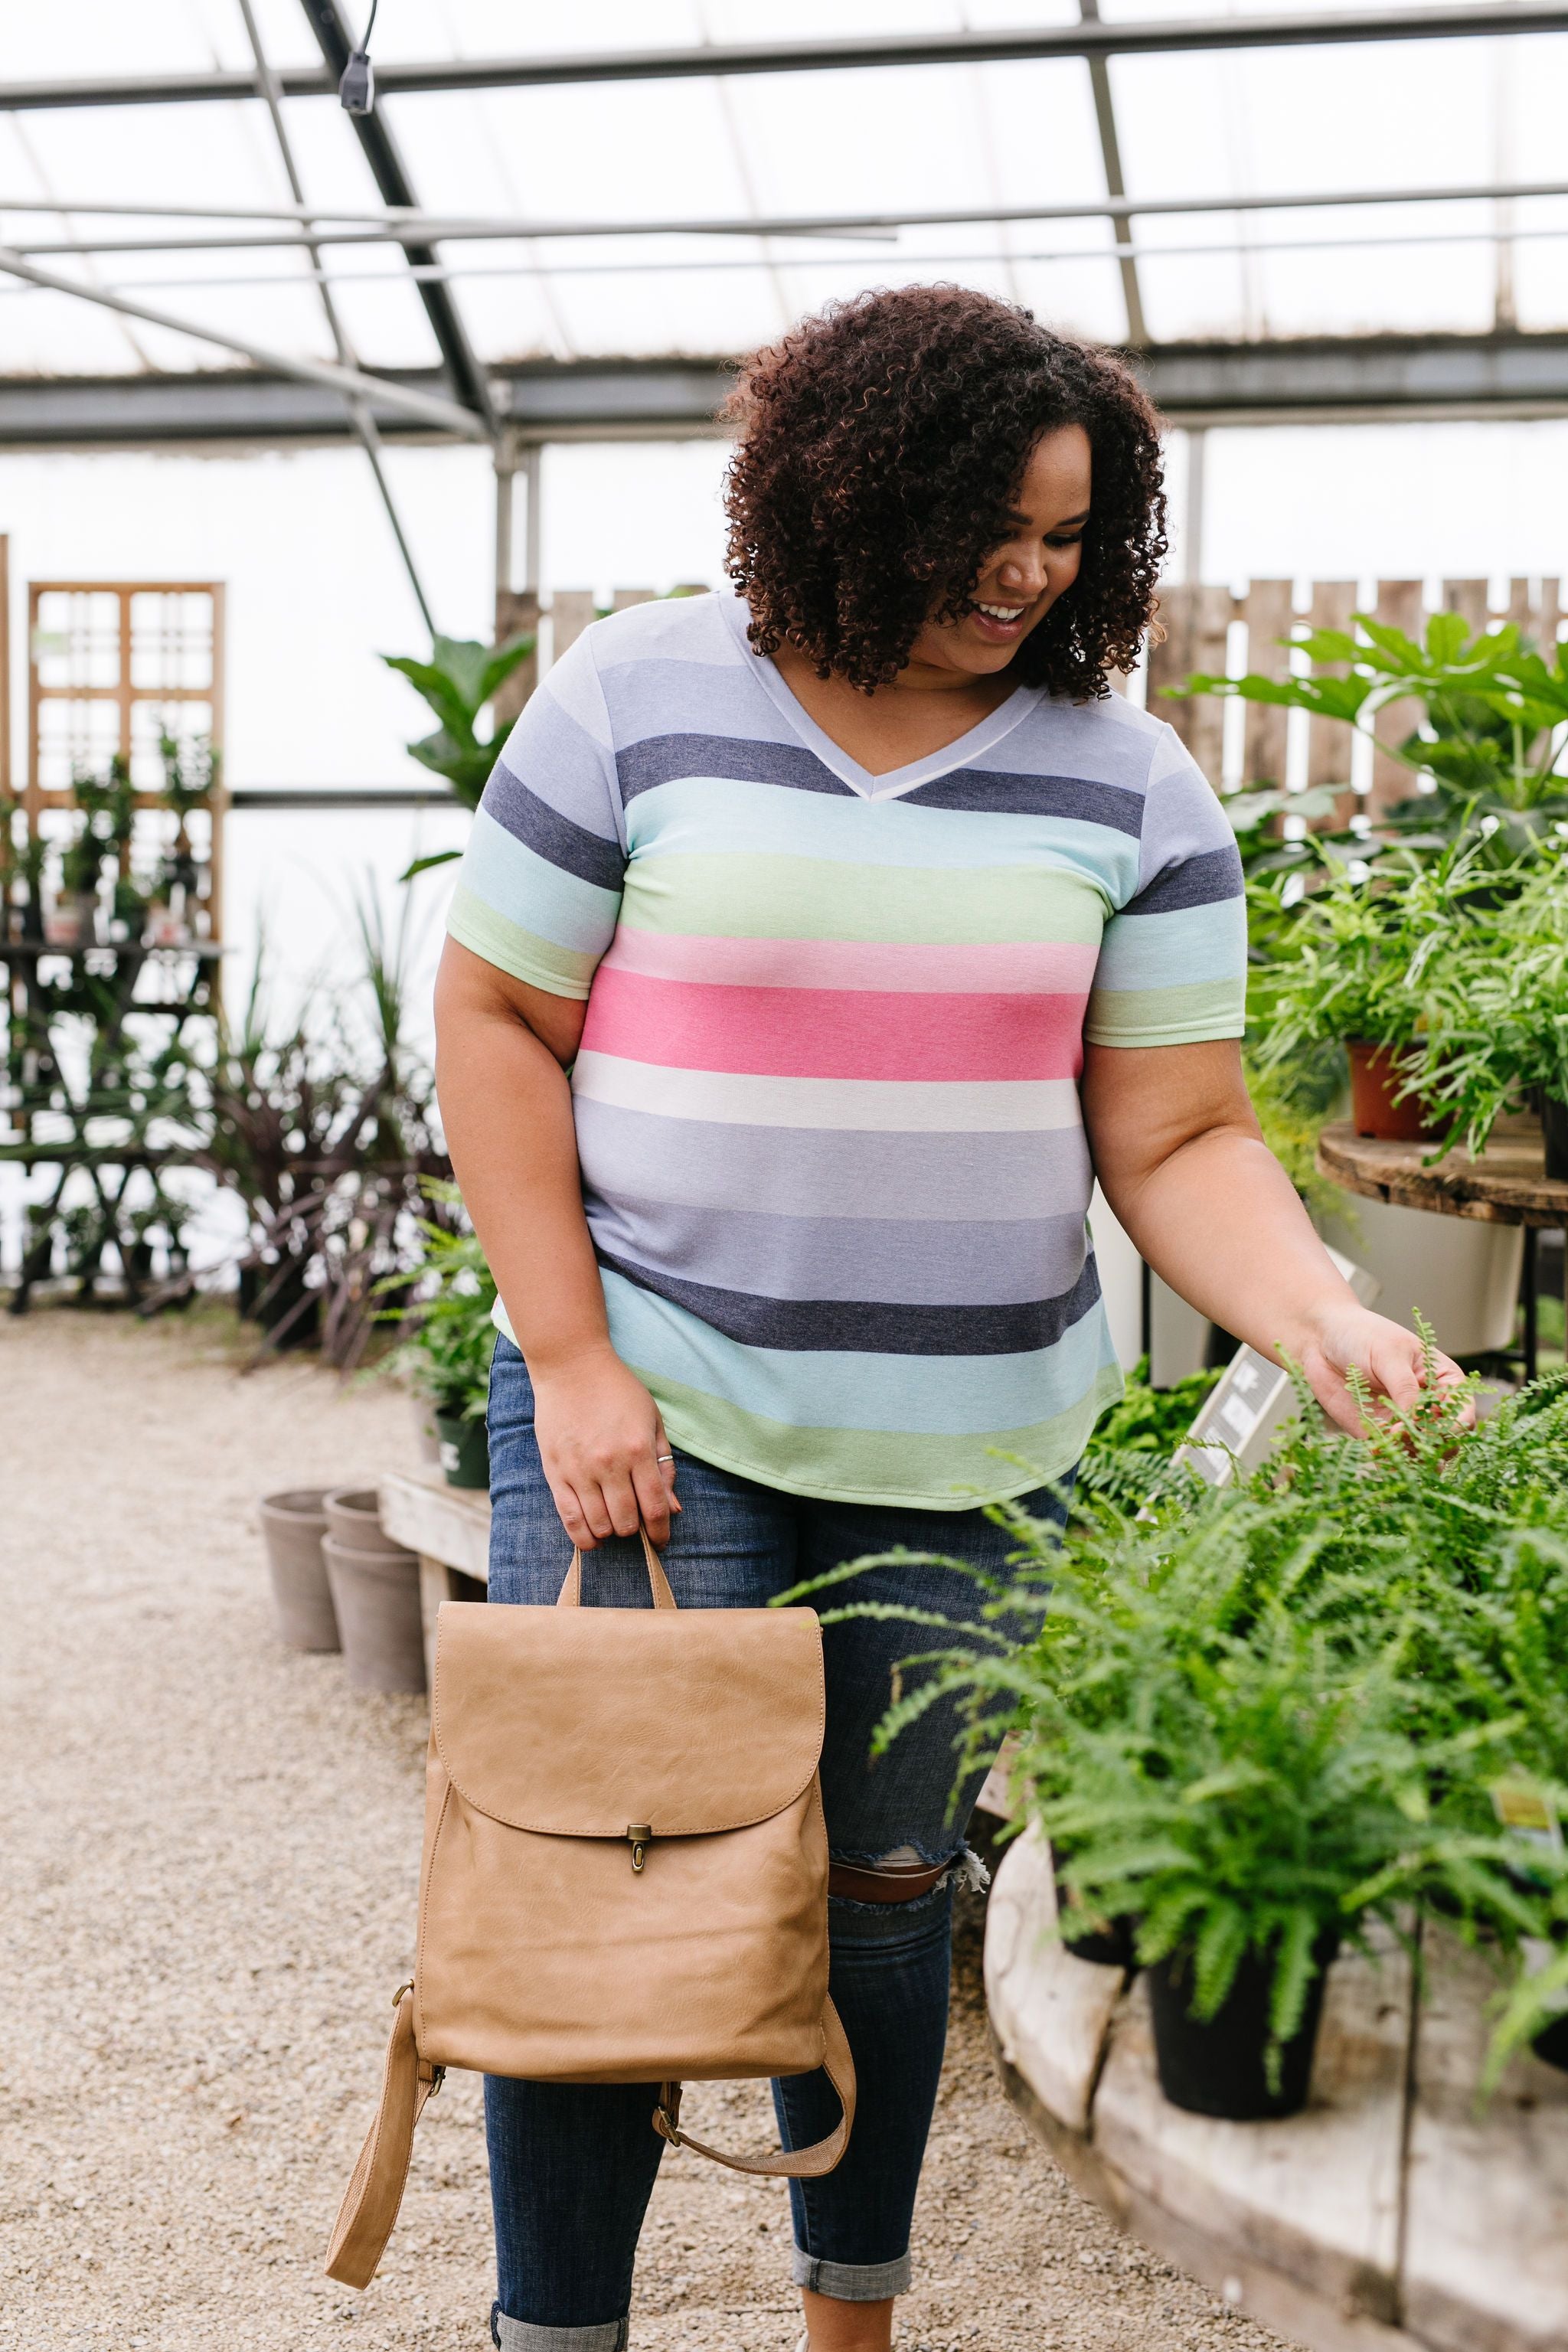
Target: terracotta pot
<point x="464" y="1451"/>
<point x="354" y="1520"/>
<point x="376" y="1596"/>
<point x="1376" y="1073"/>
<point x="1216" y="2067"/>
<point x="293" y="1525"/>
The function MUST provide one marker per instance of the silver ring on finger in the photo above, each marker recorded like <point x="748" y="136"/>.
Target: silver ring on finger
<point x="664" y="1457"/>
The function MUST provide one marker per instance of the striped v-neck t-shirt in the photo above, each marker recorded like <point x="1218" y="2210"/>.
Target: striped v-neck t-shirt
<point x="833" y="1159"/>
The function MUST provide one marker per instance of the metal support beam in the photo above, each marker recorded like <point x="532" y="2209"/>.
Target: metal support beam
<point x="426" y="408"/>
<point x="1294" y="30"/>
<point x="506" y="484"/>
<point x="1194" y="505"/>
<point x="533" y="518"/>
<point x="363" y="423"/>
<point x="1388" y="378"/>
<point x="416" y="235"/>
<point x="467" y="377"/>
<point x="1115" y="185"/>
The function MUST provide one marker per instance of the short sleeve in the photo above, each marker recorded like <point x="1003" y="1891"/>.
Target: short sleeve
<point x="539" y="891"/>
<point x="1172" y="960"/>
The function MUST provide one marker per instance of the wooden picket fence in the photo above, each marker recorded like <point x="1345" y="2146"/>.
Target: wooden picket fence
<point x="1216" y="630"/>
<point x="1213" y="630"/>
<point x="564" y="613"/>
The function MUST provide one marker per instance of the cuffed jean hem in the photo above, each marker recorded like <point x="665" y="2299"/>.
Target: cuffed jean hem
<point x="521" y="2336"/>
<point x="847" y="2281"/>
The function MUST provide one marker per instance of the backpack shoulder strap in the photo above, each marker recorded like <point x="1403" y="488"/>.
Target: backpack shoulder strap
<point x="374" y="2192"/>
<point x="785" y="2164"/>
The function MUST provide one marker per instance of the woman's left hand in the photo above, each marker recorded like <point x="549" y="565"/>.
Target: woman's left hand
<point x="1388" y="1358"/>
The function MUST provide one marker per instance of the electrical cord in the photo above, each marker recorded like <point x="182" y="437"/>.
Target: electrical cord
<point x="356" y="91"/>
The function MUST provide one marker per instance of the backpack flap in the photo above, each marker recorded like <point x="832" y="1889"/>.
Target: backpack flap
<point x="583" y="1722"/>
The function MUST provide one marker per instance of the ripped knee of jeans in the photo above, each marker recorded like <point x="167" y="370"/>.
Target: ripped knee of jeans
<point x="905" y="1874"/>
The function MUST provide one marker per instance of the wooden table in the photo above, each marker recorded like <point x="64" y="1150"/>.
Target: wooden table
<point x="449" y="1528"/>
<point x="1391" y="2213"/>
<point x="1506" y="1186"/>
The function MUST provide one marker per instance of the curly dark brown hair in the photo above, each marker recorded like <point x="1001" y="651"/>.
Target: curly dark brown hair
<point x="881" y="448"/>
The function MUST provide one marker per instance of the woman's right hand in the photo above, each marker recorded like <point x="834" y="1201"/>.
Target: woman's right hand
<point x="600" y="1435"/>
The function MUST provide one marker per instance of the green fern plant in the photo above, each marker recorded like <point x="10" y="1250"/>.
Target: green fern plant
<point x="1251" y="1716"/>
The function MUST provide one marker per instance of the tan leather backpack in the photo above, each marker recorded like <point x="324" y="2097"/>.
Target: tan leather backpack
<point x="625" y="1876"/>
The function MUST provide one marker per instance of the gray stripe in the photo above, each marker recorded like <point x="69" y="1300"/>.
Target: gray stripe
<point x="663" y="759"/>
<point x="869" y="1327"/>
<point x="711" y="1164"/>
<point x="998" y="793"/>
<point x="1198" y="881"/>
<point x="550" y="834"/>
<point x="938" y="1262"/>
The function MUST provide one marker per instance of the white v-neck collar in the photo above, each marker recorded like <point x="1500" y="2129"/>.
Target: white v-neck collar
<point x="982" y="737"/>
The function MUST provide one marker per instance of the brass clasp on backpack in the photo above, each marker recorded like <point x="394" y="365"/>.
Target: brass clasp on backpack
<point x="639" y="1836"/>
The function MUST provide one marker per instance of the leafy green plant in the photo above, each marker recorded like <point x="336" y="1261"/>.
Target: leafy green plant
<point x="457" y="681"/>
<point x="324" y="1121"/>
<point x="1488" y="753"/>
<point x="1128" y="1457"/>
<point x="1361" y="957"/>
<point x="1253" y="1713"/>
<point x="82" y="863"/>
<point x="1498" y="1005"/>
<point x="192" y="772"/>
<point x="451" y="1337"/>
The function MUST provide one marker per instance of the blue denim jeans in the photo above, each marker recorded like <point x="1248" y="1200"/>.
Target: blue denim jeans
<point x="573" y="2167"/>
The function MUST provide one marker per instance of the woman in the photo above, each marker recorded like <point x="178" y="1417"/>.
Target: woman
<point x="870" y="927"/>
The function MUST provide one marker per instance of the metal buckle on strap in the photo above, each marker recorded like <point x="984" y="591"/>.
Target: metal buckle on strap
<point x="667" y="2116"/>
<point x="401" y="1989"/>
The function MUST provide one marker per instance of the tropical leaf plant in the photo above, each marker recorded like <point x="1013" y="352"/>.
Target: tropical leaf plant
<point x="457" y="682"/>
<point x="1489" y="751"/>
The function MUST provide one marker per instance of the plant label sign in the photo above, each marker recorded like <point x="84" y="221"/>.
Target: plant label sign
<point x="1239" y="1417"/>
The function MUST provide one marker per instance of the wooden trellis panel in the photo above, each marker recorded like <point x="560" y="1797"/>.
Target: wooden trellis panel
<point x="110" y="664"/>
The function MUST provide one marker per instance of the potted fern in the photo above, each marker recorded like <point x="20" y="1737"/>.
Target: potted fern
<point x="1361" y="962"/>
<point x="1500" y="1006"/>
<point x="1254" y="1719"/>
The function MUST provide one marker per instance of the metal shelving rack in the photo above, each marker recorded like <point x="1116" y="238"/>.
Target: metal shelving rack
<point x="113" y="665"/>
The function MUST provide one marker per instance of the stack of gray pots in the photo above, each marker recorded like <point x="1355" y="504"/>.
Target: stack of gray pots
<point x="294" y="1524"/>
<point x="376" y="1592"/>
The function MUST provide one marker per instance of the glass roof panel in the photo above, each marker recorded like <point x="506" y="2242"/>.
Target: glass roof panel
<point x="1294" y="121"/>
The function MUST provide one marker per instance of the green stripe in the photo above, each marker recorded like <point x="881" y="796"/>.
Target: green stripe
<point x="869" y="1466"/>
<point x="562" y="971"/>
<point x="1188" y="1016"/>
<point x="746" y="898"/>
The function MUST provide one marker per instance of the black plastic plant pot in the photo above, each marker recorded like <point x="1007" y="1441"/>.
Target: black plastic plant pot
<point x="1106" y="1942"/>
<point x="1555" y="1128"/>
<point x="1218" y="2066"/>
<point x="1551" y="2043"/>
<point x="465" y="1450"/>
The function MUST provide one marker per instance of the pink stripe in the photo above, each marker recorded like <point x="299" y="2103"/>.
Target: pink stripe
<point x="1028" y="967"/>
<point x="818" y="1032"/>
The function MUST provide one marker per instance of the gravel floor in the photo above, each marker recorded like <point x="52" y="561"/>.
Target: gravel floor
<point x="210" y="1859"/>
